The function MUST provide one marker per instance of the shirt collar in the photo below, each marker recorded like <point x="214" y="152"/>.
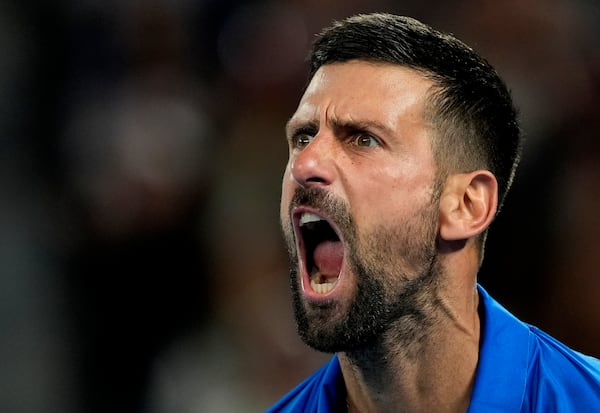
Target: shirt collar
<point x="501" y="374"/>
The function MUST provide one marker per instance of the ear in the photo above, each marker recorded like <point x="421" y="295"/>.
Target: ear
<point x="468" y="205"/>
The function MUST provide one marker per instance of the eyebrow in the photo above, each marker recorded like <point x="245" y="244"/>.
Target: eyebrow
<point x="353" y="125"/>
<point x="295" y="125"/>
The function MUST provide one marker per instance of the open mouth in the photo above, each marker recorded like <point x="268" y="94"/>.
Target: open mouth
<point x="321" y="250"/>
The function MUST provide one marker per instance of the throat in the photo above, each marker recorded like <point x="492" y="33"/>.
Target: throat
<point x="423" y="371"/>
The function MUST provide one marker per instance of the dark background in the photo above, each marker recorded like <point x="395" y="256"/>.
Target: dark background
<point x="141" y="151"/>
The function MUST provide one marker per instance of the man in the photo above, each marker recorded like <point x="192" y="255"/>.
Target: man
<point x="402" y="150"/>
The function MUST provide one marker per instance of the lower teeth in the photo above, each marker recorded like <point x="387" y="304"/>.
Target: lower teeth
<point x="322" y="287"/>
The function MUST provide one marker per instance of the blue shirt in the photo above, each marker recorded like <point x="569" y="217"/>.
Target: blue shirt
<point x="520" y="369"/>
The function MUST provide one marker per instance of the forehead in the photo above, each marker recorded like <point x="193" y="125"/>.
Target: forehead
<point x="360" y="90"/>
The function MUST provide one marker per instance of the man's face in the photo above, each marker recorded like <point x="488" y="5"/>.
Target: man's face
<point x="359" y="203"/>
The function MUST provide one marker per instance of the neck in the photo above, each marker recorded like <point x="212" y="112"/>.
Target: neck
<point x="421" y="364"/>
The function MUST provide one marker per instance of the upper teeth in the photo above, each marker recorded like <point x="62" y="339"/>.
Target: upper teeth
<point x="309" y="217"/>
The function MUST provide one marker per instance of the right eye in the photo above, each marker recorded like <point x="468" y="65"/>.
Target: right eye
<point x="302" y="140"/>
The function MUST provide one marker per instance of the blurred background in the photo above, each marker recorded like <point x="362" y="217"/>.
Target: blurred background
<point x="141" y="151"/>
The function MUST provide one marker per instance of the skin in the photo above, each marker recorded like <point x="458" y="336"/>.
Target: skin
<point x="359" y="134"/>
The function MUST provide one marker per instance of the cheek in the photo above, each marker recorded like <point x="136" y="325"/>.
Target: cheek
<point x="287" y="191"/>
<point x="388" y="196"/>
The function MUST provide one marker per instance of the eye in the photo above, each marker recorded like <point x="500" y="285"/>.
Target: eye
<point x="302" y="136"/>
<point x="364" y="140"/>
<point x="301" y="140"/>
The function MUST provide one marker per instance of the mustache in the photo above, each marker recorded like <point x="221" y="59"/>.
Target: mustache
<point x="314" y="197"/>
<point x="329" y="204"/>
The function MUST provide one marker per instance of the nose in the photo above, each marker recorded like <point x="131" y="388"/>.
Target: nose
<point x="314" y="165"/>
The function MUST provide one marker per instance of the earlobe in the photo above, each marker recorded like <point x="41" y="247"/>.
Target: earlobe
<point x="468" y="205"/>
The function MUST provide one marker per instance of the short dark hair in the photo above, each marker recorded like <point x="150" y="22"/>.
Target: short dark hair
<point x="469" y="106"/>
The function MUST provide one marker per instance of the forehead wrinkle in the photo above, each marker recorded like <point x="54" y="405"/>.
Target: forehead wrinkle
<point x="308" y="115"/>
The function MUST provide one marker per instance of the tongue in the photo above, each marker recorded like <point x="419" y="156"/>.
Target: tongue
<point x="328" y="257"/>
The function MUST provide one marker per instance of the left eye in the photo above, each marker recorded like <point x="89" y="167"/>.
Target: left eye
<point x="365" y="140"/>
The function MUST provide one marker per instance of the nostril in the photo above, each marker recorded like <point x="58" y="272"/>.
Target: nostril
<point x="316" y="179"/>
<point x="311" y="180"/>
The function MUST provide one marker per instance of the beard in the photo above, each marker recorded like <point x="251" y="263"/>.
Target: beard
<point x="395" y="271"/>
